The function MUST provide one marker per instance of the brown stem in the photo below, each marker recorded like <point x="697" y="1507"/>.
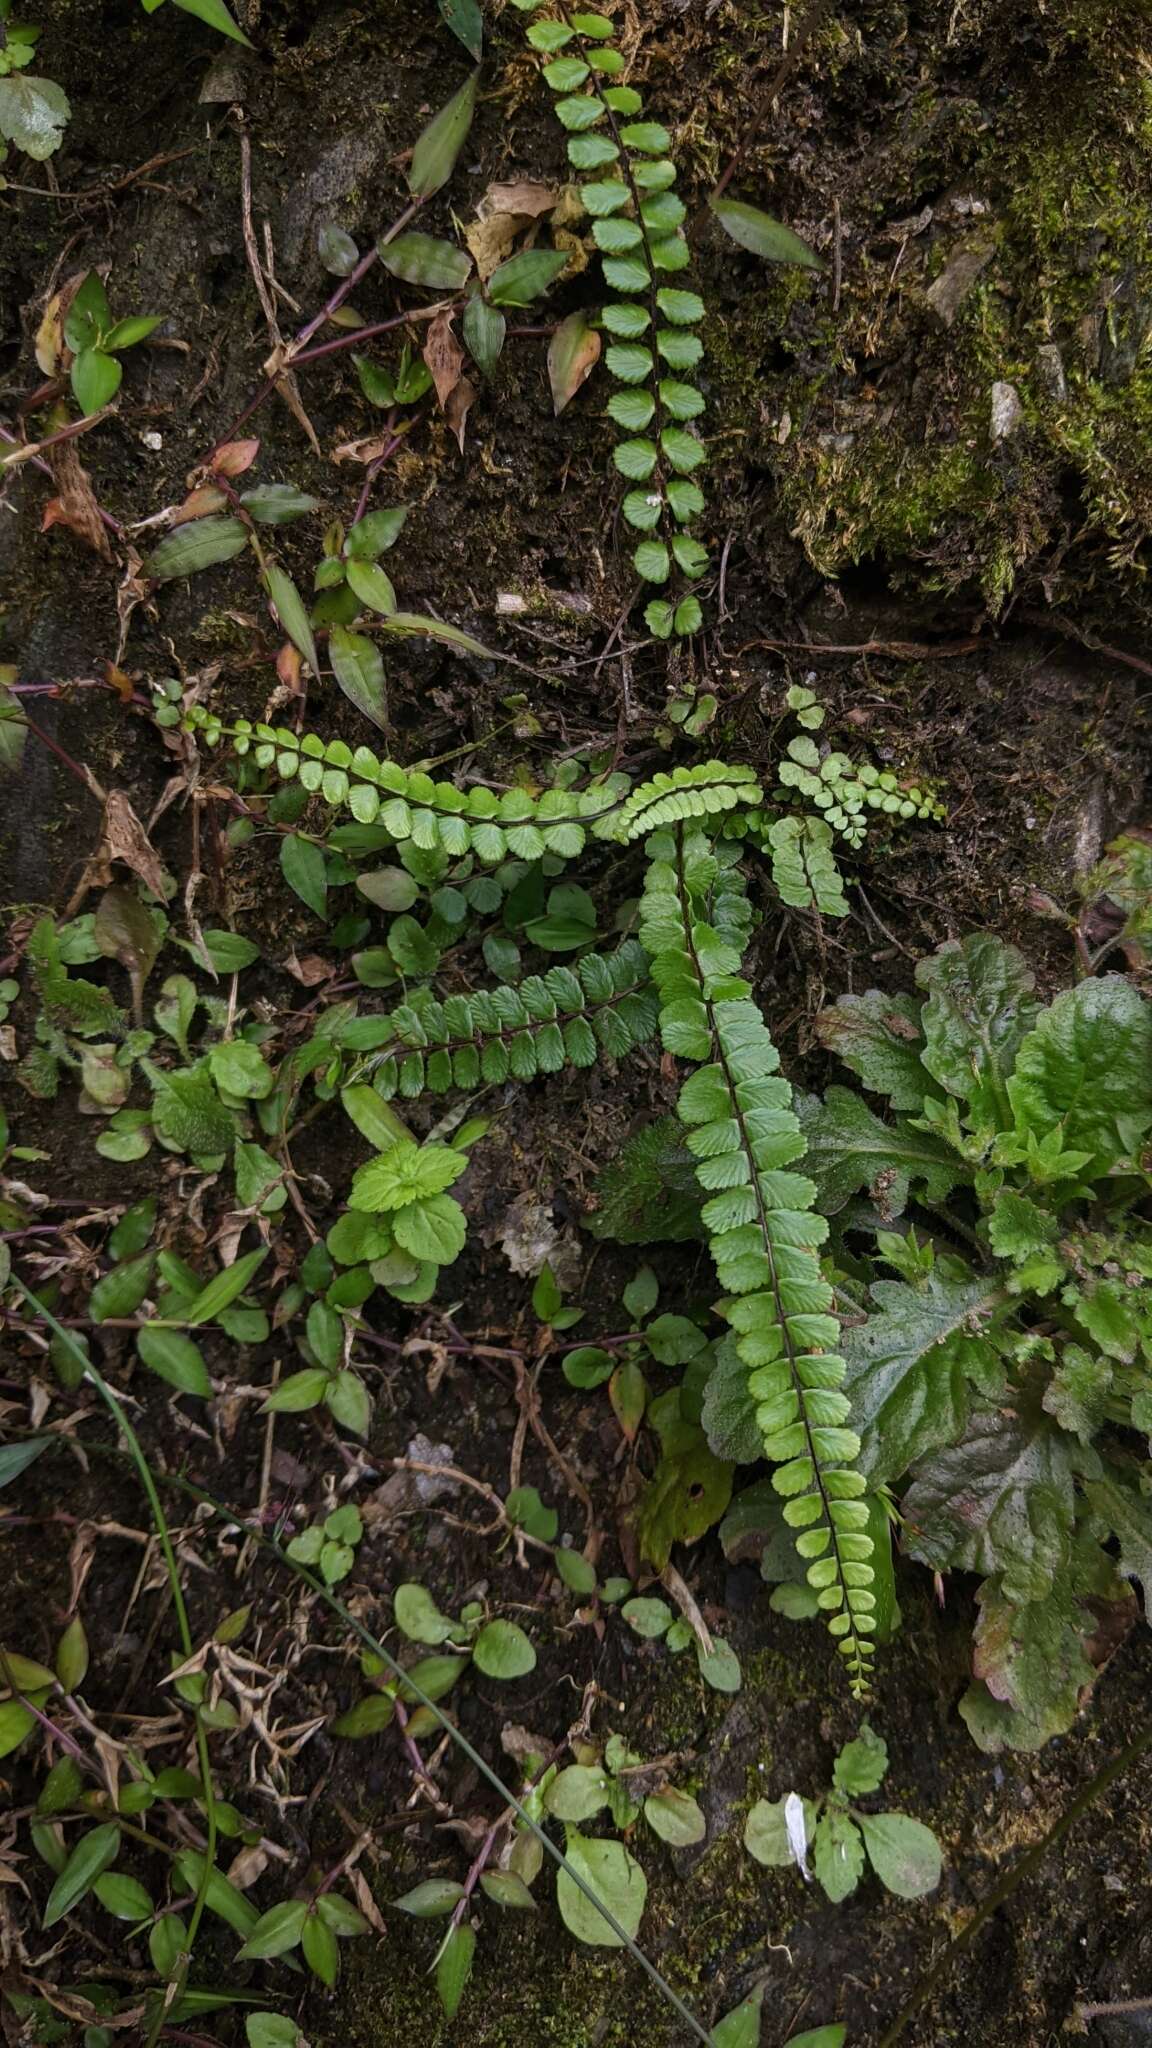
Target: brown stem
<point x="812" y="21"/>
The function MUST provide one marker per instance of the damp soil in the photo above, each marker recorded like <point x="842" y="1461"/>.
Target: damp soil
<point x="973" y="614"/>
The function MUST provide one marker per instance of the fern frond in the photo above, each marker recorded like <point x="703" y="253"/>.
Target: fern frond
<point x="703" y="791"/>
<point x="804" y="866"/>
<point x="763" y="1233"/>
<point x="570" y="1016"/>
<point x="437" y="815"/>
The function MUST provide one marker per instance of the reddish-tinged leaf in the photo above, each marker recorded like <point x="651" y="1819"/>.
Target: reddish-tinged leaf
<point x="234" y="457"/>
<point x="573" y="354"/>
<point x="289" y="667"/>
<point x="199" y="504"/>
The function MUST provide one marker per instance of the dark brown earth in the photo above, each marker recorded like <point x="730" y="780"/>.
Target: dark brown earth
<point x="866" y="509"/>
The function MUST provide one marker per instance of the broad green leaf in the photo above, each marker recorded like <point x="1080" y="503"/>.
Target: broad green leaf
<point x="484" y="331"/>
<point x="89" y="1859"/>
<point x="292" y="613"/>
<point x="577" y="1793"/>
<point x="418" y="1616"/>
<point x="95" y="379"/>
<point x="16" y="1458"/>
<point x="502" y="1650"/>
<point x="719" y="1667"/>
<point x="72" y="1655"/>
<point x="221" y="1897"/>
<point x="303" y="867"/>
<point x="647" y="1616"/>
<point x="728" y="1410"/>
<point x="271" y="2030"/>
<point x="505" y="1888"/>
<point x="34" y="113"/>
<point x="903" y="1852"/>
<point x="221" y="1292"/>
<point x="687" y="1495"/>
<point x="405" y="1173"/>
<point x="174" y="1358"/>
<point x="1129" y="1516"/>
<point x="433" y="1228"/>
<point x="120" y="1292"/>
<point x="189" y="1114"/>
<point x="358" y="667"/>
<point x="850" y="1148"/>
<point x="1000" y="1499"/>
<point x="454" y="1967"/>
<point x="740" y="2028"/>
<point x="1031" y="1665"/>
<point x="367" y="1717"/>
<point x="240" y="1069"/>
<point x="978" y="1010"/>
<point x="766" y="1832"/>
<point x="440" y="143"/>
<point x="15" y="1721"/>
<point x="861" y="1765"/>
<point x="837" y="1854"/>
<point x="374" y="1118"/>
<point x="434" y="1896"/>
<point x="421" y="259"/>
<point x="1087" y="1066"/>
<point x="907" y="1368"/>
<point x="277" y="504"/>
<point x="833" y="2036"/>
<point x="167" y="1942"/>
<point x="299" y="1392"/>
<point x="337" y="251"/>
<point x="199" y="545"/>
<point x="372" y="586"/>
<point x="123" y="1897"/>
<point x="616" y="1879"/>
<point x="275" y="1932"/>
<point x="375" y="533"/>
<point x="761" y="234"/>
<point x="464" y="19"/>
<point x="321" y="1953"/>
<point x="525" y="276"/>
<point x="675" y="1817"/>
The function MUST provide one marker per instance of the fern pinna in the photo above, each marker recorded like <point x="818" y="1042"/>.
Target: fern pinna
<point x="763" y="1233"/>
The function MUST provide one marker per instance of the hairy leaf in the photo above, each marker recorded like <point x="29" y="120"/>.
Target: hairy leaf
<point x="1087" y="1066"/>
<point x="906" y="1369"/>
<point x="880" y="1038"/>
<point x="978" y="1011"/>
<point x="1000" y="1499"/>
<point x="849" y="1147"/>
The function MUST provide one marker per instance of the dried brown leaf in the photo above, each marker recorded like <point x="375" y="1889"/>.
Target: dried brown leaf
<point x="75" y="504"/>
<point x="459" y="405"/>
<point x="444" y="358"/>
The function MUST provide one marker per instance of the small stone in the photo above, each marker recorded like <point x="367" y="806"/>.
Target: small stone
<point x="1050" y="368"/>
<point x="947" y="293"/>
<point x="152" y="440"/>
<point x="509" y="603"/>
<point x="1007" y="411"/>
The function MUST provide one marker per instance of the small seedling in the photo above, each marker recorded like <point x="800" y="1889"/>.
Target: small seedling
<point x="97" y="342"/>
<point x="904" y="1854"/>
<point x="329" y="1547"/>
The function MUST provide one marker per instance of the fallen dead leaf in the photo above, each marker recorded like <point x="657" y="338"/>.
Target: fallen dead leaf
<point x="459" y="405"/>
<point x="74" y="505"/>
<point x="444" y="357"/>
<point x="503" y="213"/>
<point x="365" y="450"/>
<point x="122" y="838"/>
<point x="311" y="970"/>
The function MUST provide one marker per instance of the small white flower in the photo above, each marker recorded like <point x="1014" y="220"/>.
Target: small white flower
<point x="797" y="1829"/>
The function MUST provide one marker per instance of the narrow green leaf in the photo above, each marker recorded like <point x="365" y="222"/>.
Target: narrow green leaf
<point x="176" y="1359"/>
<point x="761" y="234"/>
<point x="440" y="143"/>
<point x="198" y="545"/>
<point x="421" y="259"/>
<point x="303" y="867"/>
<point x="91" y="1856"/>
<point x="224" y="1289"/>
<point x="292" y="613"/>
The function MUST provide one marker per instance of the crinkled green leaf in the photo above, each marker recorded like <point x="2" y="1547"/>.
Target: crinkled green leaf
<point x="1087" y="1066"/>
<point x="979" y="1008"/>
<point x="849" y="1148"/>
